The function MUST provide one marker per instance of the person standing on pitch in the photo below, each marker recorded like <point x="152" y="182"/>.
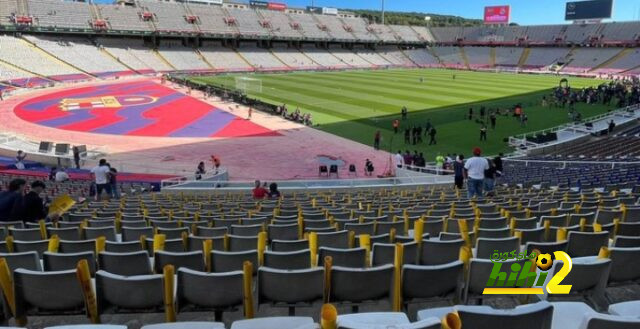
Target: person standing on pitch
<point x="432" y="136"/>
<point x="483" y="133"/>
<point x="249" y="113"/>
<point x="403" y="112"/>
<point x="493" y="119"/>
<point x="376" y="140"/>
<point x="396" y="125"/>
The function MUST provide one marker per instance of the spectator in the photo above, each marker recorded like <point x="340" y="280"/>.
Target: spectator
<point x="101" y="174"/>
<point x="20" y="160"/>
<point x="408" y="159"/>
<point x="52" y="173"/>
<point x="368" y="168"/>
<point x="376" y="140"/>
<point x="458" y="172"/>
<point x="612" y="126"/>
<point x="399" y="159"/>
<point x="489" y="178"/>
<point x="61" y="175"/>
<point x="10" y="199"/>
<point x="497" y="161"/>
<point x="474" y="172"/>
<point x="259" y="192"/>
<point x="273" y="191"/>
<point x="439" y="162"/>
<point x="33" y="208"/>
<point x="200" y="170"/>
<point x="76" y="156"/>
<point x="216" y="162"/>
<point x="113" y="181"/>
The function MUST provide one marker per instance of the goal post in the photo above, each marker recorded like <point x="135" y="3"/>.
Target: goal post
<point x="248" y="85"/>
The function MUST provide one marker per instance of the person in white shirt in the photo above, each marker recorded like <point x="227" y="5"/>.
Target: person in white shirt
<point x="399" y="160"/>
<point x="474" y="172"/>
<point x="61" y="175"/>
<point x="101" y="174"/>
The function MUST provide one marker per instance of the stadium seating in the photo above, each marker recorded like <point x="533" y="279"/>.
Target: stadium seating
<point x="80" y="53"/>
<point x="18" y="52"/>
<point x="583" y="59"/>
<point x="372" y="57"/>
<point x="260" y="58"/>
<point x="123" y="18"/>
<point x="360" y="29"/>
<point x="279" y="24"/>
<point x="51" y="13"/>
<point x="334" y="26"/>
<point x="508" y="56"/>
<point x="478" y="56"/>
<point x="168" y="16"/>
<point x="541" y="57"/>
<point x="248" y="22"/>
<point x="223" y="58"/>
<point x="293" y="58"/>
<point x="449" y="56"/>
<point x="212" y="19"/>
<point x="181" y="57"/>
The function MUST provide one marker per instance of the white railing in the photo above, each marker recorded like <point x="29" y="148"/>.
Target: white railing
<point x="578" y="128"/>
<point x="320" y="184"/>
<point x="222" y="174"/>
<point x="562" y="164"/>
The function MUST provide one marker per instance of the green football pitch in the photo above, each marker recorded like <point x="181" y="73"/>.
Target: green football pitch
<point x="355" y="104"/>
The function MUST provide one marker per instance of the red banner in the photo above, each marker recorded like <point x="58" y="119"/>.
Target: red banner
<point x="276" y="6"/>
<point x="497" y="14"/>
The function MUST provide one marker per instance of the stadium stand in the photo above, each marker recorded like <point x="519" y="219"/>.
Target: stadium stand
<point x="627" y="62"/>
<point x="123" y="18"/>
<point x="583" y="59"/>
<point x="279" y="23"/>
<point x="395" y="56"/>
<point x="423" y="33"/>
<point x="543" y="33"/>
<point x="293" y="58"/>
<point x="248" y="22"/>
<point x="621" y="32"/>
<point x="359" y="28"/>
<point x="212" y="19"/>
<point x="260" y="58"/>
<point x="181" y="57"/>
<point x="120" y="49"/>
<point x="478" y="56"/>
<point x="348" y="57"/>
<point x="446" y="34"/>
<point x="309" y="27"/>
<point x="541" y="57"/>
<point x="422" y="57"/>
<point x="581" y="33"/>
<point x="334" y="26"/>
<point x="168" y="16"/>
<point x="78" y="52"/>
<point x="372" y="57"/>
<point x="8" y="8"/>
<point x="449" y="56"/>
<point x="24" y="55"/>
<point x="508" y="56"/>
<point x="406" y="33"/>
<point x="51" y="13"/>
<point x="384" y="32"/>
<point x="223" y="58"/>
<point x="323" y="57"/>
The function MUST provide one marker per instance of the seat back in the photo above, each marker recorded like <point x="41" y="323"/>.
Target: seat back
<point x="580" y="244"/>
<point x="355" y="285"/>
<point x="290" y="286"/>
<point x="127" y="264"/>
<point x="209" y="290"/>
<point x="28" y="260"/>
<point x="293" y="260"/>
<point x="134" y="233"/>
<point x="42" y="292"/>
<point x="440" y="252"/>
<point x="384" y="253"/>
<point x="224" y="261"/>
<point x="624" y="264"/>
<point x="354" y="257"/>
<point x="485" y="247"/>
<point x="129" y="293"/>
<point x="192" y="260"/>
<point x="92" y="233"/>
<point x="533" y="316"/>
<point x="448" y="277"/>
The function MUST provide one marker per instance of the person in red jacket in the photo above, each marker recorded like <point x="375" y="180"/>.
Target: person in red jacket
<point x="259" y="192"/>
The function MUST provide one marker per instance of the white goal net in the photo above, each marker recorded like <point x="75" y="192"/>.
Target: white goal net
<point x="248" y="85"/>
